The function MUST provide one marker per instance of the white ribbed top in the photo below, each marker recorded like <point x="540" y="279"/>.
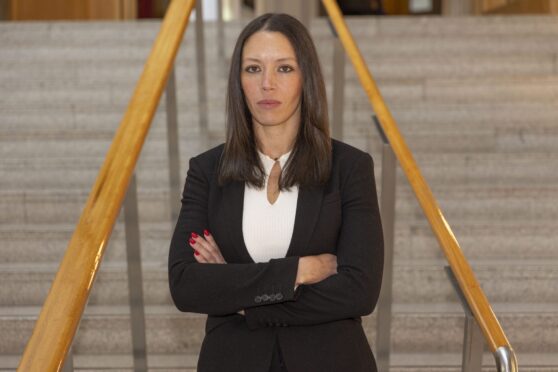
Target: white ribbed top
<point x="268" y="228"/>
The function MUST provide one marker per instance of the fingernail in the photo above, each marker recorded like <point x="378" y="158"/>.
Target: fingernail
<point x="192" y="241"/>
<point x="194" y="235"/>
<point x="196" y="253"/>
<point x="206" y="232"/>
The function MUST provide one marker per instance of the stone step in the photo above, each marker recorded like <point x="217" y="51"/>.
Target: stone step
<point x="370" y="26"/>
<point x="46" y="243"/>
<point x="416" y="328"/>
<point x="415" y="281"/>
<point x="187" y="361"/>
<point x="542" y="88"/>
<point x="179" y="362"/>
<point x="534" y="134"/>
<point x="473" y="204"/>
<point x="432" y="116"/>
<point x="67" y="33"/>
<point x="383" y="45"/>
<point x="102" y="73"/>
<point x="79" y="173"/>
<point x="510" y="142"/>
<point x="81" y="145"/>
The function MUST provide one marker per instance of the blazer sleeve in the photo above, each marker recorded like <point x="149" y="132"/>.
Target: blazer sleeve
<point x="354" y="290"/>
<point x="219" y="289"/>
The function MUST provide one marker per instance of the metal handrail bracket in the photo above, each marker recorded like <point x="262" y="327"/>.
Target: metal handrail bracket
<point x="473" y="340"/>
<point x="506" y="361"/>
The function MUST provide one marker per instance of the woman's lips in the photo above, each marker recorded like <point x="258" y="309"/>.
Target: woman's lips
<point x="268" y="103"/>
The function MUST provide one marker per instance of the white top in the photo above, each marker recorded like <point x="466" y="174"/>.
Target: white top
<point x="268" y="228"/>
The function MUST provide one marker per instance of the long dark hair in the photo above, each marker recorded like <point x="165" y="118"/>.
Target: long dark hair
<point x="309" y="163"/>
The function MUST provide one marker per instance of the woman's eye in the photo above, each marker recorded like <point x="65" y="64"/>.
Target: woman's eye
<point x="285" y="68"/>
<point x="251" y="68"/>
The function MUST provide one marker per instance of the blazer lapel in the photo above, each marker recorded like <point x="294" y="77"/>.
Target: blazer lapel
<point x="233" y="197"/>
<point x="307" y="212"/>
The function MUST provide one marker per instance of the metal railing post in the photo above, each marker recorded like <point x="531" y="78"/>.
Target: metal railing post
<point x="472" y="345"/>
<point x="69" y="362"/>
<point x="200" y="65"/>
<point x="220" y="32"/>
<point x="473" y="339"/>
<point x="338" y="95"/>
<point x="135" y="281"/>
<point x="387" y="211"/>
<point x="173" y="147"/>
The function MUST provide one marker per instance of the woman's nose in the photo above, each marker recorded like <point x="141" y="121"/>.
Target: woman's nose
<point x="268" y="80"/>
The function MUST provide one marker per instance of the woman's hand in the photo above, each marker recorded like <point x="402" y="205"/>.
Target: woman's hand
<point x="205" y="248"/>
<point x="314" y="269"/>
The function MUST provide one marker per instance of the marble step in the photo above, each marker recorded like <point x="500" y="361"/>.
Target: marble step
<point x="432" y="116"/>
<point x="460" y="205"/>
<point x="542" y="88"/>
<point x="28" y="148"/>
<point x="409" y="43"/>
<point x="475" y="169"/>
<point x="46" y="243"/>
<point x="396" y="26"/>
<point x="101" y="72"/>
<point x="416" y="328"/>
<point x="414" y="126"/>
<point x="415" y="281"/>
<point x="524" y="141"/>
<point x="435" y="130"/>
<point x="187" y="361"/>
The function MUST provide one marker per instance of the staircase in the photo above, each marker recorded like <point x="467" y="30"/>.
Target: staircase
<point x="476" y="99"/>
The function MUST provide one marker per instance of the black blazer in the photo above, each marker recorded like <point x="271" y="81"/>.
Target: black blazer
<point x="318" y="326"/>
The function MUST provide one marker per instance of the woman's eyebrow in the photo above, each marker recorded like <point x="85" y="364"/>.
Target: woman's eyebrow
<point x="277" y="60"/>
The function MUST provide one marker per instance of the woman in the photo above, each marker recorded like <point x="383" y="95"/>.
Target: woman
<point x="279" y="237"/>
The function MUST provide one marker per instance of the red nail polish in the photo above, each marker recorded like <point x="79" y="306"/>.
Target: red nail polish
<point x="194" y="235"/>
<point x="192" y="241"/>
<point x="206" y="232"/>
<point x="196" y="253"/>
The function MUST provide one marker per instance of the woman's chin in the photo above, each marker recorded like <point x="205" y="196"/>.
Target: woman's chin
<point x="270" y="122"/>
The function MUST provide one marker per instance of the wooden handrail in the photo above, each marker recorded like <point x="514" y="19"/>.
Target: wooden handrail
<point x="469" y="285"/>
<point x="63" y="308"/>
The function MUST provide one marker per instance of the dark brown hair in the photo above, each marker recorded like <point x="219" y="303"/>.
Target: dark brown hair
<point x="309" y="163"/>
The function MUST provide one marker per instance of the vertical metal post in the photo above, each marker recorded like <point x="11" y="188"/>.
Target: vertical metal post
<point x="220" y="32"/>
<point x="173" y="149"/>
<point x="473" y="345"/>
<point x="135" y="281"/>
<point x="387" y="211"/>
<point x="202" y="87"/>
<point x="473" y="340"/>
<point x="338" y="95"/>
<point x="69" y="362"/>
<point x="306" y="12"/>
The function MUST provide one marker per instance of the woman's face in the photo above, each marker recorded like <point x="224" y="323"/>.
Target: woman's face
<point x="271" y="79"/>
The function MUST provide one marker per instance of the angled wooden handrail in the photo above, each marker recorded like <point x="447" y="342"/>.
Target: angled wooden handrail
<point x="469" y="285"/>
<point x="63" y="308"/>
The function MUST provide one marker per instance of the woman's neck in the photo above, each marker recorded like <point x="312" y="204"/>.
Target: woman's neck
<point x="275" y="141"/>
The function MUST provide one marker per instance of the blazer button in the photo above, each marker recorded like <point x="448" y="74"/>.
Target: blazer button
<point x="279" y="296"/>
<point x="265" y="297"/>
<point x="272" y="297"/>
<point x="258" y="299"/>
